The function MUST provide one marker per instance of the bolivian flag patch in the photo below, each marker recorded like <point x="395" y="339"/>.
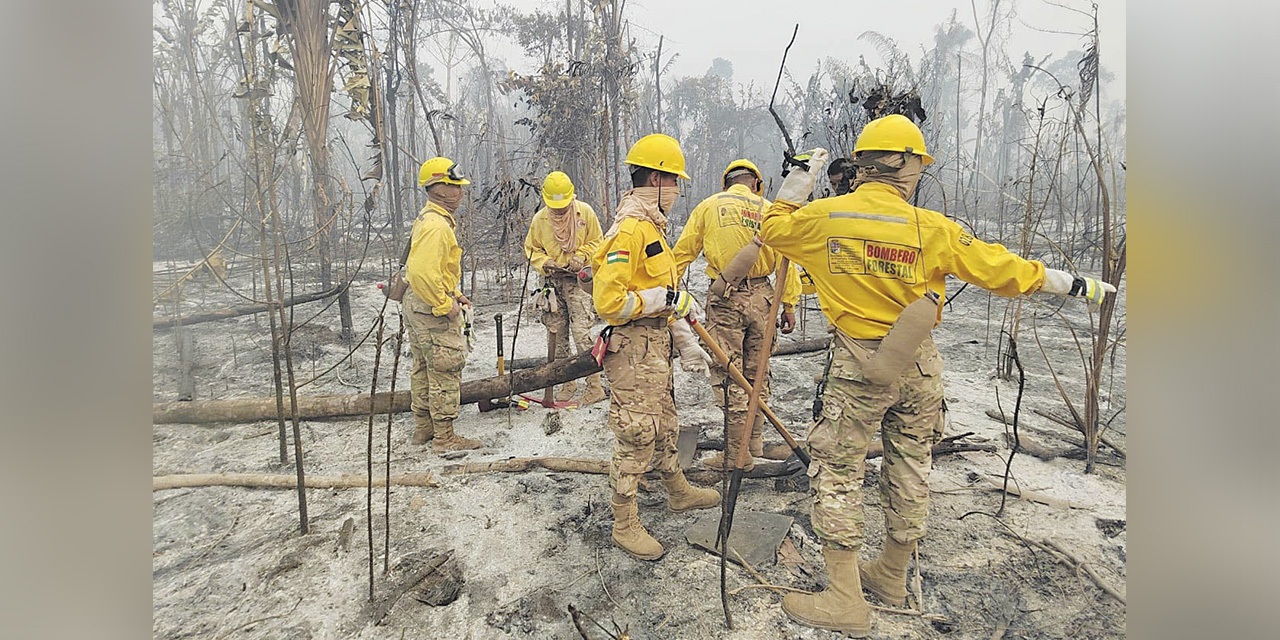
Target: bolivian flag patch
<point x="618" y="256"/>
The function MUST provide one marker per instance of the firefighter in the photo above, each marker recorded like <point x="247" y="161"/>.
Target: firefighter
<point x="738" y="303"/>
<point x="873" y="257"/>
<point x="561" y="240"/>
<point x="434" y="308"/>
<point x="635" y="291"/>
<point x="840" y="174"/>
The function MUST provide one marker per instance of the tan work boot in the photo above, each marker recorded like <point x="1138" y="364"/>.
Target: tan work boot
<point x="594" y="392"/>
<point x="886" y="576"/>
<point x="716" y="462"/>
<point x="422" y="433"/>
<point x="839" y="607"/>
<point x="566" y="391"/>
<point x="682" y="496"/>
<point x="446" y="440"/>
<point x="629" y="534"/>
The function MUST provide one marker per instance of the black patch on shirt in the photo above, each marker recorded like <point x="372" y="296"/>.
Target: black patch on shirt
<point x="653" y="249"/>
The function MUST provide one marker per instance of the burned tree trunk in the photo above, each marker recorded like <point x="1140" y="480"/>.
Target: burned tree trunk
<point x="337" y="406"/>
<point x="286" y="481"/>
<point x="186" y="364"/>
<point x="785" y="348"/>
<point x="234" y="312"/>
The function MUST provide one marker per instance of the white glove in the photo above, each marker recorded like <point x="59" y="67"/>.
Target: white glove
<point x="466" y="326"/>
<point x="654" y="301"/>
<point x="798" y="185"/>
<point x="661" y="300"/>
<point x="692" y="356"/>
<point x="1064" y="284"/>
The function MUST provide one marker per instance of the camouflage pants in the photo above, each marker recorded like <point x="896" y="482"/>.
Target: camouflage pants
<point x="439" y="353"/>
<point x="574" y="317"/>
<point x="909" y="413"/>
<point x="642" y="408"/>
<point x="737" y="321"/>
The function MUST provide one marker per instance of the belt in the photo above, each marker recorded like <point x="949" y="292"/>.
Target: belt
<point x="747" y="283"/>
<point x="646" y="322"/>
<point x="870" y="343"/>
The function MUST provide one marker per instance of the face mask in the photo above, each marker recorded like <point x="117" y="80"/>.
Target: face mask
<point x="903" y="171"/>
<point x="449" y="199"/>
<point x="667" y="197"/>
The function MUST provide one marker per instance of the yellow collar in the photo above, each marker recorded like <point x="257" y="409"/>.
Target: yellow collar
<point x="442" y="212"/>
<point x="881" y="187"/>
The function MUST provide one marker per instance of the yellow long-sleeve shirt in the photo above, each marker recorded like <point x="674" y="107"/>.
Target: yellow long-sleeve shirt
<point x="434" y="269"/>
<point x="541" y="246"/>
<point x="634" y="259"/>
<point x="722" y="225"/>
<point x="870" y="253"/>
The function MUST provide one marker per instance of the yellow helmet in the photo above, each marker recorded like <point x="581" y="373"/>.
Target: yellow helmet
<point x="440" y="169"/>
<point x="735" y="167"/>
<point x="557" y="190"/>
<point x="659" y="152"/>
<point x="893" y="133"/>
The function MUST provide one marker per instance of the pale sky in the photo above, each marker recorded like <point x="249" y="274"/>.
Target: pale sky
<point x="753" y="33"/>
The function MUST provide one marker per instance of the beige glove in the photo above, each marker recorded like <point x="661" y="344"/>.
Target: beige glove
<point x="798" y="185"/>
<point x="1064" y="284"/>
<point x="693" y="358"/>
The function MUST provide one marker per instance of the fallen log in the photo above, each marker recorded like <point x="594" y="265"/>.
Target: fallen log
<point x="762" y="470"/>
<point x="1034" y="448"/>
<point x="776" y="451"/>
<point x="285" y="481"/>
<point x="785" y="348"/>
<point x="1034" y="496"/>
<point x="1071" y="424"/>
<point x="517" y="465"/>
<point x="256" y="409"/>
<point x="234" y="312"/>
<point x="995" y="415"/>
<point x="601" y="467"/>
<point x="1023" y="426"/>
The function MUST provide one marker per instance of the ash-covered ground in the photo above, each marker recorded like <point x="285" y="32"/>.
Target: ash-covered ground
<point x="230" y="562"/>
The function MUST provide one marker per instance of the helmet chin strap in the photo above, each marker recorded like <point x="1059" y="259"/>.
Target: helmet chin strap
<point x="660" y="209"/>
